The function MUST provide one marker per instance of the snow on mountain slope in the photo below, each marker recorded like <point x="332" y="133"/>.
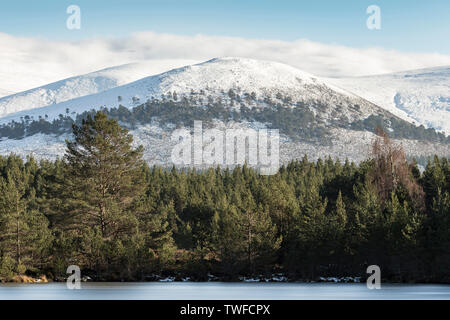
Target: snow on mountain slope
<point x="230" y="79"/>
<point x="214" y="77"/>
<point x="158" y="145"/>
<point x="82" y="85"/>
<point x="418" y="96"/>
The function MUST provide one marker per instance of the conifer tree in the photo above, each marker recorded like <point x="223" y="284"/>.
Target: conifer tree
<point x="24" y="233"/>
<point x="104" y="175"/>
<point x="245" y="240"/>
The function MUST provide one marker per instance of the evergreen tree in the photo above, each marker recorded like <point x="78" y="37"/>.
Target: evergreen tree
<point x="25" y="236"/>
<point x="245" y="241"/>
<point x="104" y="176"/>
<point x="105" y="210"/>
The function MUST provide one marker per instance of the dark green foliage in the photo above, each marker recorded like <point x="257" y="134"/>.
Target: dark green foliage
<point x="311" y="219"/>
<point x="400" y="129"/>
<point x="103" y="175"/>
<point x="295" y="119"/>
<point x="24" y="234"/>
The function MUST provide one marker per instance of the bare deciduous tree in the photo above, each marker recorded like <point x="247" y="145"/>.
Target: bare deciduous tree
<point x="391" y="169"/>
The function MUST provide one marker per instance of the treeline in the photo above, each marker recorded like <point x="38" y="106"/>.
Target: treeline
<point x="102" y="208"/>
<point x="294" y="119"/>
<point x="296" y="122"/>
<point x="400" y="129"/>
<point x="29" y="126"/>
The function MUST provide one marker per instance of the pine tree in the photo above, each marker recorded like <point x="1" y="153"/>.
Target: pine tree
<point x="279" y="198"/>
<point x="104" y="175"/>
<point x="362" y="223"/>
<point x="437" y="245"/>
<point x="340" y="213"/>
<point x="245" y="238"/>
<point x="227" y="241"/>
<point x="311" y="246"/>
<point x="25" y="236"/>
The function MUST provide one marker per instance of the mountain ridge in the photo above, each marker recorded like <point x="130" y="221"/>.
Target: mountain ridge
<point x="419" y="96"/>
<point x="215" y="77"/>
<point x="79" y="86"/>
<point x="315" y="117"/>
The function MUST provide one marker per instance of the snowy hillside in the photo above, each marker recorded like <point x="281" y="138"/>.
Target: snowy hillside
<point x="314" y="116"/>
<point x="214" y="78"/>
<point x="79" y="86"/>
<point x="158" y="145"/>
<point x="418" y="96"/>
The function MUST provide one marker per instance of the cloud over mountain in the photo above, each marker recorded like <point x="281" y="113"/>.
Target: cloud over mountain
<point x="30" y="62"/>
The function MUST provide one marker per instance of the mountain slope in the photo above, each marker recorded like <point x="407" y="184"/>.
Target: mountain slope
<point x="313" y="116"/>
<point x="418" y="96"/>
<point x="264" y="79"/>
<point x="82" y="85"/>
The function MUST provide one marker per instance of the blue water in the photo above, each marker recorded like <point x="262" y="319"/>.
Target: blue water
<point x="222" y="291"/>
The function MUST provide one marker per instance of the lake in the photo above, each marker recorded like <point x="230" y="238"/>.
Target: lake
<point x="221" y="291"/>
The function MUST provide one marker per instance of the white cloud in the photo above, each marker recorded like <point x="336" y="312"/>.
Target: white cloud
<point x="29" y="62"/>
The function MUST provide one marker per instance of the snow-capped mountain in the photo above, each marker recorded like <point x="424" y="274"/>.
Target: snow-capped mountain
<point x="315" y="116"/>
<point x="80" y="86"/>
<point x="215" y="78"/>
<point x="418" y="96"/>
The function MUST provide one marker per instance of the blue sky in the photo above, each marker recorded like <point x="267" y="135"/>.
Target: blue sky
<point x="412" y="26"/>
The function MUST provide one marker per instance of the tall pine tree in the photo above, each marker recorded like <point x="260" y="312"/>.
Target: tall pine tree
<point x="104" y="175"/>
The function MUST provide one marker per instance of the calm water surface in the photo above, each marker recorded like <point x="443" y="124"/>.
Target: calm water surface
<point x="222" y="291"/>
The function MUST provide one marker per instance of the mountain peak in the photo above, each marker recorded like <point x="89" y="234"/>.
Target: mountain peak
<point x="234" y="91"/>
<point x="214" y="78"/>
<point x="232" y="72"/>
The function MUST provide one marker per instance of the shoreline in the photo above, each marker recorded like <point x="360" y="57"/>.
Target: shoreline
<point x="212" y="278"/>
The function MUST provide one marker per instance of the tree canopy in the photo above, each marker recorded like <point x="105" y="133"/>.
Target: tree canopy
<point x="103" y="208"/>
